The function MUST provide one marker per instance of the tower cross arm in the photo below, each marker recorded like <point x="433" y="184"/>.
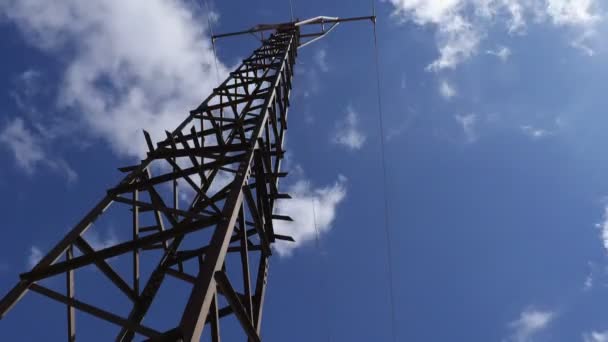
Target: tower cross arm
<point x="325" y="25"/>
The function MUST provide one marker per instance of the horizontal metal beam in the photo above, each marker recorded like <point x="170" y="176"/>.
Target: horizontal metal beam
<point x="289" y="25"/>
<point x="83" y="260"/>
<point x="92" y="310"/>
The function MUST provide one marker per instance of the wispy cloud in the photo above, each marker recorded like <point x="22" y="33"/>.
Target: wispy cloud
<point x="458" y="41"/>
<point x="502" y="52"/>
<point x="347" y="131"/>
<point x="397" y="129"/>
<point x="573" y="12"/>
<point x="468" y="122"/>
<point x="34" y="257"/>
<point x="461" y="25"/>
<point x="595" y="336"/>
<point x="28" y="151"/>
<point x="320" y="58"/>
<point x="582" y="43"/>
<point x="313" y="211"/>
<point x="535" y="133"/>
<point x="98" y="240"/>
<point x="588" y="285"/>
<point x="529" y="323"/>
<point x="603" y="227"/>
<point x="595" y="275"/>
<point x="446" y="90"/>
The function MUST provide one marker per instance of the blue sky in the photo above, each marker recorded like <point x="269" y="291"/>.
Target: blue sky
<point x="496" y="171"/>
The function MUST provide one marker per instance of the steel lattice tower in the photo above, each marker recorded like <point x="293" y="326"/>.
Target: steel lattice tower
<point x="227" y="154"/>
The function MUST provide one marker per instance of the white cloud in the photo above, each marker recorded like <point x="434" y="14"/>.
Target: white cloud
<point x="122" y="75"/>
<point x="502" y="52"/>
<point x="458" y="41"/>
<point x="461" y="25"/>
<point x="588" y="282"/>
<point x="603" y="226"/>
<point x="530" y="322"/>
<point x="34" y="257"/>
<point x="27" y="148"/>
<point x="572" y="12"/>
<point x="595" y="336"/>
<point x="348" y="133"/>
<point x="446" y="90"/>
<point x="594" y="276"/>
<point x="300" y="208"/>
<point x="30" y="82"/>
<point x="467" y="122"/>
<point x="98" y="241"/>
<point x="320" y="58"/>
<point x="535" y="133"/>
<point x="582" y="43"/>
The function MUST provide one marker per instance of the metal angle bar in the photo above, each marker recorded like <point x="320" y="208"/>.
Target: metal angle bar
<point x="160" y="208"/>
<point x="245" y="265"/>
<point x="260" y="292"/>
<point x="116" y="250"/>
<point x="196" y="189"/>
<point x="70" y="295"/>
<point x="135" y="226"/>
<point x="214" y="319"/>
<point x="207" y="151"/>
<point x="92" y="310"/>
<point x="21" y="288"/>
<point x="106" y="269"/>
<point x="181" y="275"/>
<point x="258" y="222"/>
<point x="173" y="175"/>
<point x="237" y="306"/>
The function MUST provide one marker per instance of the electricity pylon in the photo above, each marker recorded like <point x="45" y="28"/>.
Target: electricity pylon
<point x="227" y="156"/>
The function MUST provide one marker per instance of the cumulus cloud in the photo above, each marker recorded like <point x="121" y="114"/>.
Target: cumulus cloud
<point x="461" y="25"/>
<point x="34" y="257"/>
<point x="502" y="52"/>
<point x="467" y="122"/>
<point x="313" y="211"/>
<point x="122" y="75"/>
<point x="446" y="90"/>
<point x="347" y="131"/>
<point x="529" y="323"/>
<point x="595" y="336"/>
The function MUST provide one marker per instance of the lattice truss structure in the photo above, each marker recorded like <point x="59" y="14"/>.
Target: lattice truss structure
<point x="226" y="159"/>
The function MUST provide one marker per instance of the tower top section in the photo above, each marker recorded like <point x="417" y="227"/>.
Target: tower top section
<point x="320" y="25"/>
